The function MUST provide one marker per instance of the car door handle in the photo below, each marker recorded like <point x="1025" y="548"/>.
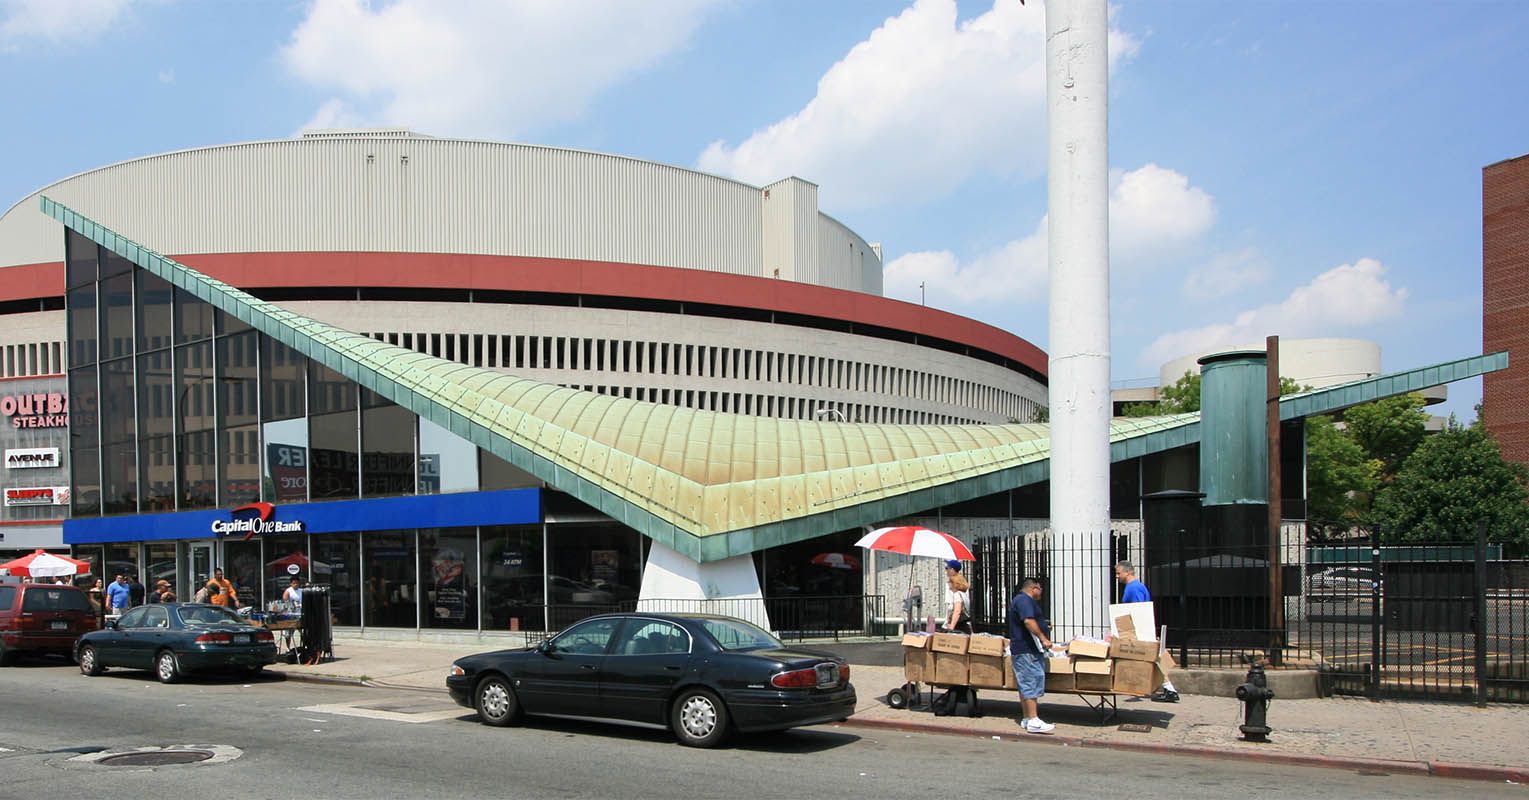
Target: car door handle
<point x="673" y="668"/>
<point x="587" y="666"/>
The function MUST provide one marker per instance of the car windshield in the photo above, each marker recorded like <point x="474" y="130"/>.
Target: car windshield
<point x="196" y="616"/>
<point x="735" y="634"/>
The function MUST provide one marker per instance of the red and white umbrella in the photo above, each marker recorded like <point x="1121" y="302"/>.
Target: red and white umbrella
<point x="836" y="561"/>
<point x="43" y="564"/>
<point x="913" y="540"/>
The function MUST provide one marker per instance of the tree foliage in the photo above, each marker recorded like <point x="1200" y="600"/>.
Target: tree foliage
<point x="1389" y="429"/>
<point x="1340" y="478"/>
<point x="1183" y="397"/>
<point x="1450" y="482"/>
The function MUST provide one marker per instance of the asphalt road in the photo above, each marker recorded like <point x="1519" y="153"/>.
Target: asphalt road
<point x="301" y="739"/>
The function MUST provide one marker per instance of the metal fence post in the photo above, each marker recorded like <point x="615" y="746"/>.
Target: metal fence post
<point x="1375" y="632"/>
<point x="1183" y="604"/>
<point x="1479" y="624"/>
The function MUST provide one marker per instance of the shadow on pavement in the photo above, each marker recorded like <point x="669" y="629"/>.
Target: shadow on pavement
<point x="796" y="741"/>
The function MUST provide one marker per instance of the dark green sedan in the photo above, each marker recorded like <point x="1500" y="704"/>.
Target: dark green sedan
<point x="173" y="639"/>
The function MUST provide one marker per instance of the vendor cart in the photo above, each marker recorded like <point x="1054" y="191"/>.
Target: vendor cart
<point x="302" y="631"/>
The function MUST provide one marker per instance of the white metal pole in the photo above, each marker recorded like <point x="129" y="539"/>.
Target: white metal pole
<point x="1077" y="83"/>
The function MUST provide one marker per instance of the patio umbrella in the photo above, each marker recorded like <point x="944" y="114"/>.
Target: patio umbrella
<point x="836" y="561"/>
<point x="912" y="540"/>
<point x="43" y="564"/>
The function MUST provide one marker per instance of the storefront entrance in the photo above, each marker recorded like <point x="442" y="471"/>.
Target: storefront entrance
<point x="200" y="558"/>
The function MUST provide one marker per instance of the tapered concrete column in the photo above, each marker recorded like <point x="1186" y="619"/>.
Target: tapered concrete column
<point x="1077" y="83"/>
<point x="672" y="581"/>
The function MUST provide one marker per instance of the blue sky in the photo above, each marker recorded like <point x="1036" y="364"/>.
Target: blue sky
<point x="1300" y="169"/>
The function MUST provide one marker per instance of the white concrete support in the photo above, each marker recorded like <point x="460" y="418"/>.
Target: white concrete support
<point x="674" y="583"/>
<point x="1077" y="83"/>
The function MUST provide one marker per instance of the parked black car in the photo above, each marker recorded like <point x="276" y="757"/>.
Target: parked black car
<point x="172" y="639"/>
<point x="42" y="618"/>
<point x="698" y="675"/>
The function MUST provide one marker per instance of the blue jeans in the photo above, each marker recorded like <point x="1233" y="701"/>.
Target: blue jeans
<point x="1029" y="675"/>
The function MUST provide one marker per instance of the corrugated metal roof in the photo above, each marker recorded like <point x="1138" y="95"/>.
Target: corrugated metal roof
<point x="710" y="484"/>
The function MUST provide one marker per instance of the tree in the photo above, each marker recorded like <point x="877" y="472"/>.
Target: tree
<point x="1388" y="429"/>
<point x="1183" y="397"/>
<point x="1450" y="482"/>
<point x="1340" y="478"/>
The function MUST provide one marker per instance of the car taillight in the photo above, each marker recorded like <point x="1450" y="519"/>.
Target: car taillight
<point x="264" y="636"/>
<point x="795" y="679"/>
<point x="214" y="638"/>
<point x="843" y="674"/>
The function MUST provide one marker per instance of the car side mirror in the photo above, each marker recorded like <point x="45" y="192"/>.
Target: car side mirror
<point x="111" y="624"/>
<point x="546" y="648"/>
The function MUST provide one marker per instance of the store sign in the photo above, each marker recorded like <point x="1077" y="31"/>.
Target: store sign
<point x="37" y="496"/>
<point x="31" y="458"/>
<point x="39" y="410"/>
<point x="254" y="519"/>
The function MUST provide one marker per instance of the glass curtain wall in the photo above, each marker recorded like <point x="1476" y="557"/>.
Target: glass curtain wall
<point x="448" y="564"/>
<point x="387" y="447"/>
<point x="594" y="569"/>
<point x="389" y="599"/>
<point x="238" y="433"/>
<point x="333" y="434"/>
<point x="284" y="418"/>
<point x="286" y="556"/>
<point x="241" y="565"/>
<point x="337" y="564"/>
<point x="513" y="580"/>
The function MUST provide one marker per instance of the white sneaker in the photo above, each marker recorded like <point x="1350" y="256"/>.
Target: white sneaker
<point x="1039" y="726"/>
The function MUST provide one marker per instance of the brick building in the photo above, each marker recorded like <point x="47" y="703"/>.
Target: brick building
<point x="1505" y="301"/>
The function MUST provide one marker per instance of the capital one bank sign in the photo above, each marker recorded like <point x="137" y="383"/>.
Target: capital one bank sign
<point x="254" y="519"/>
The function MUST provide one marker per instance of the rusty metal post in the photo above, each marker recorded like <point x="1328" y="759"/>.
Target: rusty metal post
<point x="1276" y="560"/>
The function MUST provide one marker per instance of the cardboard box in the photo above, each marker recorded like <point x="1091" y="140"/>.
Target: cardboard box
<point x="1009" y="681"/>
<point x="1143" y="620"/>
<point x="985" y="672"/>
<point x="1061" y="682"/>
<point x="986" y="645"/>
<point x="1165" y="660"/>
<point x="1059" y="666"/>
<point x="955" y="643"/>
<point x="920" y="640"/>
<point x="1088" y="648"/>
<point x="918" y="664"/>
<point x="1092" y="674"/>
<point x="1125" y="628"/>
<point x="950" y="668"/>
<point x="1136" y="677"/>
<point x="1133" y="650"/>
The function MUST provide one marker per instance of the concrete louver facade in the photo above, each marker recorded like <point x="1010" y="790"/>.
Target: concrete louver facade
<point x="710" y="485"/>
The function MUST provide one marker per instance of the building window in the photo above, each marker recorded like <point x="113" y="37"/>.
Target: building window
<point x="389" y="597"/>
<point x="448" y="565"/>
<point x="387" y="435"/>
<point x="337" y="565"/>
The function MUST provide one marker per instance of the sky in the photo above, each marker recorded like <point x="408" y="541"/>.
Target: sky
<point x="1300" y="169"/>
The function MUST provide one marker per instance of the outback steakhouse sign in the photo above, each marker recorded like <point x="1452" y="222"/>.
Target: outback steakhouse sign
<point x="40" y="410"/>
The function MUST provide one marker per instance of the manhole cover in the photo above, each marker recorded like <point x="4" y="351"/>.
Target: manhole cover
<point x="155" y="758"/>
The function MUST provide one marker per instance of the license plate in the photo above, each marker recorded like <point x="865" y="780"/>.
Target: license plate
<point x="828" y="675"/>
<point x="241" y="638"/>
<point x="59" y="625"/>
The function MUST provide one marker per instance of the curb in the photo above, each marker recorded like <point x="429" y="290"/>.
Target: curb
<point x="1438" y="769"/>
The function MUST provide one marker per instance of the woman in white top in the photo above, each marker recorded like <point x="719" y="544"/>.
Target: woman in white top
<point x="958" y="598"/>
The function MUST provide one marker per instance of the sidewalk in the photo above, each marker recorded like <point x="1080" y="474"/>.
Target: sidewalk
<point x="1426" y="738"/>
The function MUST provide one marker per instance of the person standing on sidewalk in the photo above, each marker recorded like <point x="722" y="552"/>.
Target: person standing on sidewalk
<point x="958" y="599"/>
<point x="1029" y="639"/>
<point x="117" y="597"/>
<point x="1136" y="592"/>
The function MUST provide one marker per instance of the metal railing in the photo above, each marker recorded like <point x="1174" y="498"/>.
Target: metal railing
<point x="791" y="618"/>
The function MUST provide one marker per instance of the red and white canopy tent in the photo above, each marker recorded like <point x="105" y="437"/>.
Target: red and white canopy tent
<point x="914" y="540"/>
<point x="43" y="564"/>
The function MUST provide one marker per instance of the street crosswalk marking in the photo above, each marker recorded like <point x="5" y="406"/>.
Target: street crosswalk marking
<point x="360" y="709"/>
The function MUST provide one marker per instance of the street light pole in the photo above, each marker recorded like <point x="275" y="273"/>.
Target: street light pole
<point x="829" y="411"/>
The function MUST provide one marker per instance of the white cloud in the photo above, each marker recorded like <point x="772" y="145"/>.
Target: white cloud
<point x="1152" y="211"/>
<point x="56" y="21"/>
<point x="479" y="67"/>
<point x="921" y="105"/>
<point x="167" y="76"/>
<point x="1345" y="297"/>
<point x="1227" y="274"/>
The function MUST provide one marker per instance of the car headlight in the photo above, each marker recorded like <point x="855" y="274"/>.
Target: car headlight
<point x="457" y="671"/>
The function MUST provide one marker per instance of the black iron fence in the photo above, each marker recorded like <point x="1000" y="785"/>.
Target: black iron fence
<point x="1445" y="620"/>
<point x="792" y="618"/>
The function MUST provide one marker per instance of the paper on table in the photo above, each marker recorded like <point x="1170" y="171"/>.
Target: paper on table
<point x="1141" y="616"/>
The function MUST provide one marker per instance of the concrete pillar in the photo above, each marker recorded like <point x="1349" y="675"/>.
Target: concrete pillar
<point x="672" y="580"/>
<point x="1079" y="331"/>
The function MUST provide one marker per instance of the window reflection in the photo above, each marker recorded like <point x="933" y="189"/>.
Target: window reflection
<point x="595" y="569"/>
<point x="198" y="475"/>
<point x="193" y="318"/>
<point x="334" y="460"/>
<point x="155" y="298"/>
<point x="239" y="465"/>
<point x="500" y="474"/>
<point x="156" y="395"/>
<point x="85" y="467"/>
<point x="80" y="260"/>
<point x="82" y="325"/>
<point x="387" y="436"/>
<point x="337" y="564"/>
<point x="513" y="589"/>
<point x="447" y="462"/>
<point x="286" y="556"/>
<point x="241" y="566"/>
<point x="390" y="584"/>
<point x="120" y="492"/>
<point x="116" y="333"/>
<point x="157" y="457"/>
<point x="117" y="401"/>
<point x="286" y="460"/>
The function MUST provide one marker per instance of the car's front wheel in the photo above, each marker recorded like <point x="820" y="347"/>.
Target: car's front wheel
<point x="166" y="668"/>
<point x="90" y="663"/>
<point x="496" y="702"/>
<point x="699" y="718"/>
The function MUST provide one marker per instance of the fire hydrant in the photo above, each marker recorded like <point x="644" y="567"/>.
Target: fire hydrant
<point x="1255" y="696"/>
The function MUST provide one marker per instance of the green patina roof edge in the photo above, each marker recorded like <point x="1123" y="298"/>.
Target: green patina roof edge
<point x="1163" y="433"/>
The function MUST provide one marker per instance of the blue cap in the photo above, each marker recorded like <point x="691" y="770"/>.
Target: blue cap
<point x="953" y="564"/>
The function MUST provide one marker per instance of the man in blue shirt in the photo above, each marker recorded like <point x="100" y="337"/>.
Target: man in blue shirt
<point x="1029" y="639"/>
<point x="118" y="596"/>
<point x="1136" y="592"/>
